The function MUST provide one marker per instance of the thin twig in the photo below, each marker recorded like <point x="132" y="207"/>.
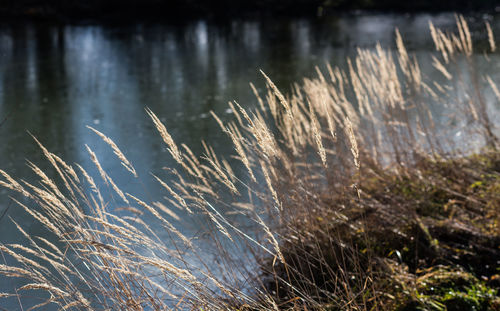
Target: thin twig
<point x="6" y="210"/>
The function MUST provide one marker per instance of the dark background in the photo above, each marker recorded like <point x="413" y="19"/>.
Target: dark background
<point x="75" y="10"/>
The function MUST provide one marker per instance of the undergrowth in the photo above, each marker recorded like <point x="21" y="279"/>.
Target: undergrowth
<point x="424" y="240"/>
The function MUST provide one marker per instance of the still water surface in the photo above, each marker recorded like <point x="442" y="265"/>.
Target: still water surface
<point x="55" y="80"/>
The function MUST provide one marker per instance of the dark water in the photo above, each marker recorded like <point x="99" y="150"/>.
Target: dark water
<point x="55" y="80"/>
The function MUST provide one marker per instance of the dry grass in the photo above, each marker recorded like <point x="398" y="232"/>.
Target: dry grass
<point x="315" y="162"/>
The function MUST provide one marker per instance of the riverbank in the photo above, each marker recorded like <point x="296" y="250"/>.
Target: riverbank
<point x="163" y="11"/>
<point x="425" y="239"/>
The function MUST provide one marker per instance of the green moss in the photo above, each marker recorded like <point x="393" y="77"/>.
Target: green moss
<point x="476" y="297"/>
<point x="445" y="288"/>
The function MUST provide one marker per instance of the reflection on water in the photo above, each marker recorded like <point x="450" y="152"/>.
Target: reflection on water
<point x="55" y="80"/>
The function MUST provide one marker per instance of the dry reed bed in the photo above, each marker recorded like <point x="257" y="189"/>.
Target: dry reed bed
<point x="312" y="160"/>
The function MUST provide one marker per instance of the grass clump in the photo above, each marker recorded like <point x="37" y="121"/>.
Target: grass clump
<point x="360" y="200"/>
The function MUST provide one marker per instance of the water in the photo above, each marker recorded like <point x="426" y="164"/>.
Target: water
<point x="55" y="80"/>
